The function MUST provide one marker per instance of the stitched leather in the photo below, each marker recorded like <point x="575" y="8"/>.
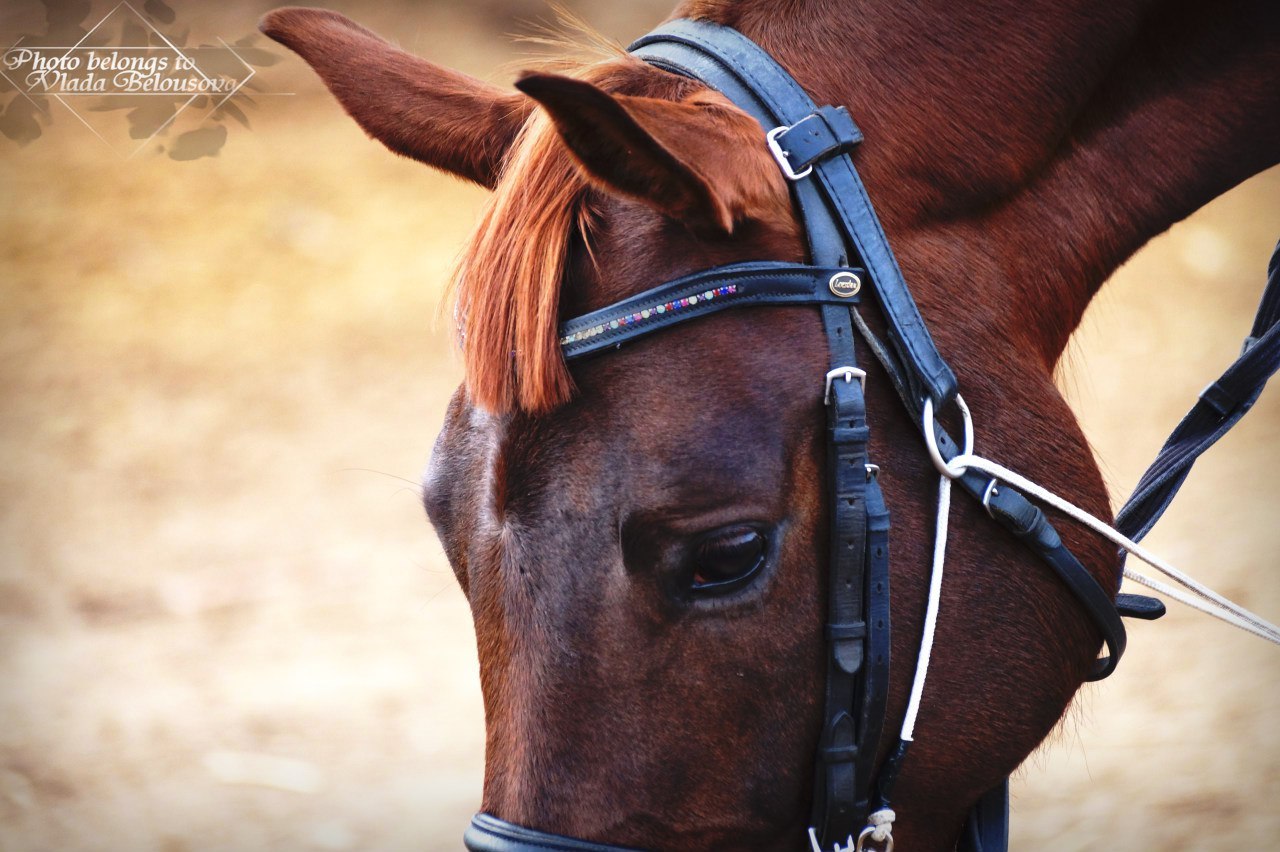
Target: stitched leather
<point x="758" y="283"/>
<point x="1025" y="520"/>
<point x="1139" y="606"/>
<point x="838" y="804"/>
<point x="1220" y="407"/>
<point x="875" y="689"/>
<point x="987" y="827"/>
<point x="785" y="102"/>
<point x="487" y="833"/>
<point x="825" y="133"/>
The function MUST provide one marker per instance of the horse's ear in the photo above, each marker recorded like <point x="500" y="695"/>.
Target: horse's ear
<point x="414" y="107"/>
<point x="685" y="159"/>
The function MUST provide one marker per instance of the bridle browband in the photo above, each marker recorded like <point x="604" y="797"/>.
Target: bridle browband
<point x="850" y="255"/>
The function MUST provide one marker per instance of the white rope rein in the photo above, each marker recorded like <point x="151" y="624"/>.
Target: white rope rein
<point x="1201" y="597"/>
<point x="935" y="576"/>
<point x="931" y="609"/>
<point x="1198" y="596"/>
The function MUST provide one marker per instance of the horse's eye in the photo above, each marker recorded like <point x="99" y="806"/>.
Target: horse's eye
<point x="728" y="559"/>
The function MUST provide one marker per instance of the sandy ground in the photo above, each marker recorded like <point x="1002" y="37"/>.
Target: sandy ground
<point x="224" y="622"/>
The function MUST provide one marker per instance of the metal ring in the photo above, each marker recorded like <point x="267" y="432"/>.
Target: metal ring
<point x="931" y="438"/>
<point x="866" y="832"/>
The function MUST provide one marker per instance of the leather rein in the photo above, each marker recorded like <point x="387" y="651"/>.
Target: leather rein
<point x="850" y="256"/>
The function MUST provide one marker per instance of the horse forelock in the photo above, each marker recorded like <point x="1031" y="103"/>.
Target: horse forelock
<point x="509" y="280"/>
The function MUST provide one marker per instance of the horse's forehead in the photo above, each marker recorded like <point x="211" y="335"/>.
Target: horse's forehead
<point x="712" y="408"/>
<point x="631" y="248"/>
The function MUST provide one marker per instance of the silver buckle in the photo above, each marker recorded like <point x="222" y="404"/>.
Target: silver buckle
<point x="846" y="373"/>
<point x="784" y="161"/>
<point x="991" y="491"/>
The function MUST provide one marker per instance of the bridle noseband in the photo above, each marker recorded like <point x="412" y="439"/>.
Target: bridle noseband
<point x="812" y="146"/>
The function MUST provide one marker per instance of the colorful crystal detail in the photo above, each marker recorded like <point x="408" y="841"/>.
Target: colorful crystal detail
<point x="651" y="312"/>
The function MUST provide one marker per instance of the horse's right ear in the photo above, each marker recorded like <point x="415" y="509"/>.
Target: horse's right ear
<point x="697" y="161"/>
<point x="414" y="107"/>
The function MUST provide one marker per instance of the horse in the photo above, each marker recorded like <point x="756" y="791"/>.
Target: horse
<point x="638" y="535"/>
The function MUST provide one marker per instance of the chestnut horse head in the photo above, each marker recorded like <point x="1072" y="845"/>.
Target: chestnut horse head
<point x="641" y="538"/>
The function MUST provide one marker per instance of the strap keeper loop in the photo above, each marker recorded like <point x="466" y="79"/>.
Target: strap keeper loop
<point x="827" y="132"/>
<point x="840" y="754"/>
<point x="850" y="630"/>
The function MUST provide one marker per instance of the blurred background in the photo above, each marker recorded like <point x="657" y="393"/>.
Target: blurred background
<point x="224" y="621"/>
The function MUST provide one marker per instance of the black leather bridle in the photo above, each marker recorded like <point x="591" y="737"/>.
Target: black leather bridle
<point x="849" y="256"/>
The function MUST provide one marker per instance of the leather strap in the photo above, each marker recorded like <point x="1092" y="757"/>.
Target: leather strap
<point x="775" y="98"/>
<point x="875" y="690"/>
<point x="1220" y="406"/>
<point x="839" y="805"/>
<point x="822" y="134"/>
<point x="487" y="833"/>
<point x="1139" y="606"/>
<point x="987" y="828"/>
<point x="1026" y="521"/>
<point x="703" y="293"/>
<point x="907" y="369"/>
<point x="729" y="62"/>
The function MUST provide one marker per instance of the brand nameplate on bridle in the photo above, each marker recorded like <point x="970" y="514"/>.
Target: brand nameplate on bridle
<point x="845" y="284"/>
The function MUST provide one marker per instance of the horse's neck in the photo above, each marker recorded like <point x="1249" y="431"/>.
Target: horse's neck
<point x="1036" y="148"/>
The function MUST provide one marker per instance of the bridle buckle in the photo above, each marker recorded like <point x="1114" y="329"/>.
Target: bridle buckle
<point x="783" y="158"/>
<point x="991" y="490"/>
<point x="846" y="373"/>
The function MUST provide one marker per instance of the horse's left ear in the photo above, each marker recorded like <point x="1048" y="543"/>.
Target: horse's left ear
<point x="685" y="159"/>
<point x="417" y="108"/>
